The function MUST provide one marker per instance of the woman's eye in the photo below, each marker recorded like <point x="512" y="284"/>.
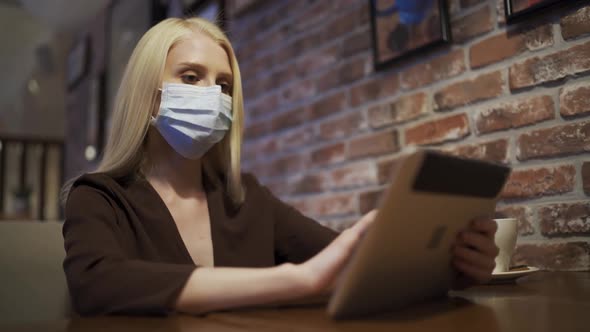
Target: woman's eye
<point x="189" y="79"/>
<point x="225" y="88"/>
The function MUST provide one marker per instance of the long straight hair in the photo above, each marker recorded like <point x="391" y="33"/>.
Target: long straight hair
<point x="137" y="97"/>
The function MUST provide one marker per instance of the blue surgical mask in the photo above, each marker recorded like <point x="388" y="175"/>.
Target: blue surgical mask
<point x="192" y="119"/>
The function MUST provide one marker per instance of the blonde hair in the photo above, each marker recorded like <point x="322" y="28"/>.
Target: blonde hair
<point x="138" y="95"/>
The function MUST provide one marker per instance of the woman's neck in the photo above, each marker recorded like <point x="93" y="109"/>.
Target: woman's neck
<point x="169" y="170"/>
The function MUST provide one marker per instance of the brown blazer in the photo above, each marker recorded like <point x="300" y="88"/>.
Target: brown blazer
<point x="125" y="255"/>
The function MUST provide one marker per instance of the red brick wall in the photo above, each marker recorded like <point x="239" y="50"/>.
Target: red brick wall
<point x="323" y="128"/>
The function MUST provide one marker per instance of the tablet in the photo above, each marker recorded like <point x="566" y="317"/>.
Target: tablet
<point x="405" y="256"/>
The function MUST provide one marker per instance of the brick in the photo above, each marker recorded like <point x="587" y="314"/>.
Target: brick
<point x="261" y="64"/>
<point x="331" y="104"/>
<point x="524" y="215"/>
<point x="261" y="86"/>
<point x="373" y="144"/>
<point x="339" y="224"/>
<point x="472" y="25"/>
<point x="300" y="205"/>
<point x="586" y="177"/>
<point x="297" y="47"/>
<point x="506" y="45"/>
<point x="285" y="53"/>
<point x="248" y="74"/>
<point x="262" y="170"/>
<point x="298" y="91"/>
<point x="403" y="109"/>
<point x="348" y="4"/>
<point x="288" y="119"/>
<point x="288" y="74"/>
<point x="249" y="89"/>
<point x="437" y="69"/>
<point x="466" y="92"/>
<point x="356" y="43"/>
<point x="277" y="36"/>
<point x="556" y="141"/>
<point x="353" y="175"/>
<point x="565" y="219"/>
<point x="576" y="24"/>
<point x="575" y="99"/>
<point x="345" y="23"/>
<point x="438" y="131"/>
<point x="266" y="22"/>
<point x="294" y="7"/>
<point x="315" y="14"/>
<point x="385" y="168"/>
<point x="515" y="114"/>
<point x="369" y="200"/>
<point x="312" y="63"/>
<point x="537" y="182"/>
<point x="376" y="88"/>
<point x="266" y="146"/>
<point x="279" y="186"/>
<point x="257" y="129"/>
<point x="286" y="165"/>
<point x="552" y="67"/>
<point x="296" y="138"/>
<point x="332" y="205"/>
<point x="495" y="151"/>
<point x="329" y="154"/>
<point x="344" y="126"/>
<point x="569" y="256"/>
<point x="343" y="74"/>
<point x="249" y="154"/>
<point x="308" y="184"/>
<point x="247" y="51"/>
<point x="263" y="105"/>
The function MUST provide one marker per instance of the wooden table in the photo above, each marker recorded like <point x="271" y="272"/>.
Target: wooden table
<point x="546" y="301"/>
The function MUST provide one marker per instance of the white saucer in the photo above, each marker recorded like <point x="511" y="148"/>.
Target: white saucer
<point x="513" y="275"/>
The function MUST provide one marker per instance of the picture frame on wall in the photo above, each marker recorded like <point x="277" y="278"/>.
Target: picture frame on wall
<point x="401" y="28"/>
<point x="517" y="10"/>
<point x="78" y="62"/>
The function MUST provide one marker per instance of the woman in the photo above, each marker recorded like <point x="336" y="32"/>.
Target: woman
<point x="168" y="201"/>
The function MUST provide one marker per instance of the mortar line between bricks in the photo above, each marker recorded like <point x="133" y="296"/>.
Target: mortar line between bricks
<point x="543" y="200"/>
<point x="512" y="150"/>
<point x="554" y="240"/>
<point x="578" y="183"/>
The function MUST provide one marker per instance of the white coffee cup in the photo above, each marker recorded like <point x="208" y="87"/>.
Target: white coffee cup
<point x="505" y="241"/>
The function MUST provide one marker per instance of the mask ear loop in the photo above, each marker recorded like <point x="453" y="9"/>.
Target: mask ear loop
<point x="152" y="117"/>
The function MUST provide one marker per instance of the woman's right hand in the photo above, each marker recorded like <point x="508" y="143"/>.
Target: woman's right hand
<point x="320" y="272"/>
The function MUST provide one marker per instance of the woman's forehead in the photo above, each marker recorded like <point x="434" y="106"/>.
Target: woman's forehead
<point x="199" y="48"/>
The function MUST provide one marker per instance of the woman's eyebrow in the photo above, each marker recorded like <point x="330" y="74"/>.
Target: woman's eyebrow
<point x="226" y="76"/>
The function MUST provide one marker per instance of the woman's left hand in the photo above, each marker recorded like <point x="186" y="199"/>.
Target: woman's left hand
<point x="474" y="253"/>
